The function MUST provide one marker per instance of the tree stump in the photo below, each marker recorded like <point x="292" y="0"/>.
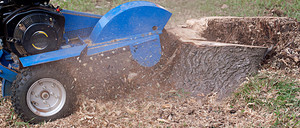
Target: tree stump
<point x="202" y="67"/>
<point x="280" y="34"/>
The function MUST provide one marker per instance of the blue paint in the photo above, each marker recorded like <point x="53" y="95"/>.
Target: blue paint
<point x="6" y="88"/>
<point x="130" y="23"/>
<point x="148" y="53"/>
<point x="83" y="14"/>
<point x="128" y="38"/>
<point x="79" y="23"/>
<point x="4" y="58"/>
<point x="79" y="20"/>
<point x="118" y="44"/>
<point x="52" y="56"/>
<point x="129" y="19"/>
<point x="7" y="73"/>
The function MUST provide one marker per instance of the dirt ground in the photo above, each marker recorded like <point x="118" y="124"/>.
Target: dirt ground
<point x="127" y="98"/>
<point x="173" y="108"/>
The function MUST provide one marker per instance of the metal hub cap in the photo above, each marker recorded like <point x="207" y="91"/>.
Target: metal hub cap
<point x="46" y="97"/>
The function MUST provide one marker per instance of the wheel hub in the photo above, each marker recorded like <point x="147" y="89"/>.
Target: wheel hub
<point x="46" y="97"/>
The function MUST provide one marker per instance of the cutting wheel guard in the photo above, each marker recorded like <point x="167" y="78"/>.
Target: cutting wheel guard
<point x="135" y="24"/>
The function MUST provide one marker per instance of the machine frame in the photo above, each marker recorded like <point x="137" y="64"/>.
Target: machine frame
<point x="135" y="24"/>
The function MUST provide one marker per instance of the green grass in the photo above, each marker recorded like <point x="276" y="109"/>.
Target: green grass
<point x="92" y="6"/>
<point x="13" y="121"/>
<point x="187" y="9"/>
<point x="274" y="93"/>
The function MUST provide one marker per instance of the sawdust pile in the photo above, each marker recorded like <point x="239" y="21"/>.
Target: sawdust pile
<point x="7" y="116"/>
<point x="4" y="112"/>
<point x="171" y="109"/>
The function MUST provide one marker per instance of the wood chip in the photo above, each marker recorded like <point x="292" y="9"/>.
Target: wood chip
<point x="173" y="91"/>
<point x="166" y="106"/>
<point x="163" y="120"/>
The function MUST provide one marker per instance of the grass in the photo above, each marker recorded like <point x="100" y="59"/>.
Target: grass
<point x="186" y="9"/>
<point x="15" y="121"/>
<point x="11" y="119"/>
<point x="275" y="93"/>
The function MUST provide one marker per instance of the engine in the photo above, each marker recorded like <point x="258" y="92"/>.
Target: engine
<point x="30" y="27"/>
<point x="24" y="2"/>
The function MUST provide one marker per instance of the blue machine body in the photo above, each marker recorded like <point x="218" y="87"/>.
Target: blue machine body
<point x="135" y="24"/>
<point x="7" y="74"/>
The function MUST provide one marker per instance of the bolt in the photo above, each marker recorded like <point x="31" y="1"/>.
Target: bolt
<point x="22" y="27"/>
<point x="45" y="96"/>
<point x="44" y="101"/>
<point x="34" y="103"/>
<point x="32" y="93"/>
<point x="53" y="85"/>
<point x="40" y="83"/>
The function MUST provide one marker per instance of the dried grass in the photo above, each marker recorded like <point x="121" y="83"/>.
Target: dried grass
<point x="170" y="109"/>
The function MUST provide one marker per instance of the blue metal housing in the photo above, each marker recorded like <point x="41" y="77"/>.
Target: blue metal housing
<point x="79" y="23"/>
<point x="52" y="56"/>
<point x="135" y="24"/>
<point x="7" y="74"/>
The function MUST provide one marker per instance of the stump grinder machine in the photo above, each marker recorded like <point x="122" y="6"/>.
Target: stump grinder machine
<point x="34" y="33"/>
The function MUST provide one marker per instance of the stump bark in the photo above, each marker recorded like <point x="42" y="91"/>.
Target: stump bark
<point x="280" y="34"/>
<point x="202" y="67"/>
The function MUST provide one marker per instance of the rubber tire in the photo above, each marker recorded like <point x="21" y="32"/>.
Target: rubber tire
<point x="24" y="81"/>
